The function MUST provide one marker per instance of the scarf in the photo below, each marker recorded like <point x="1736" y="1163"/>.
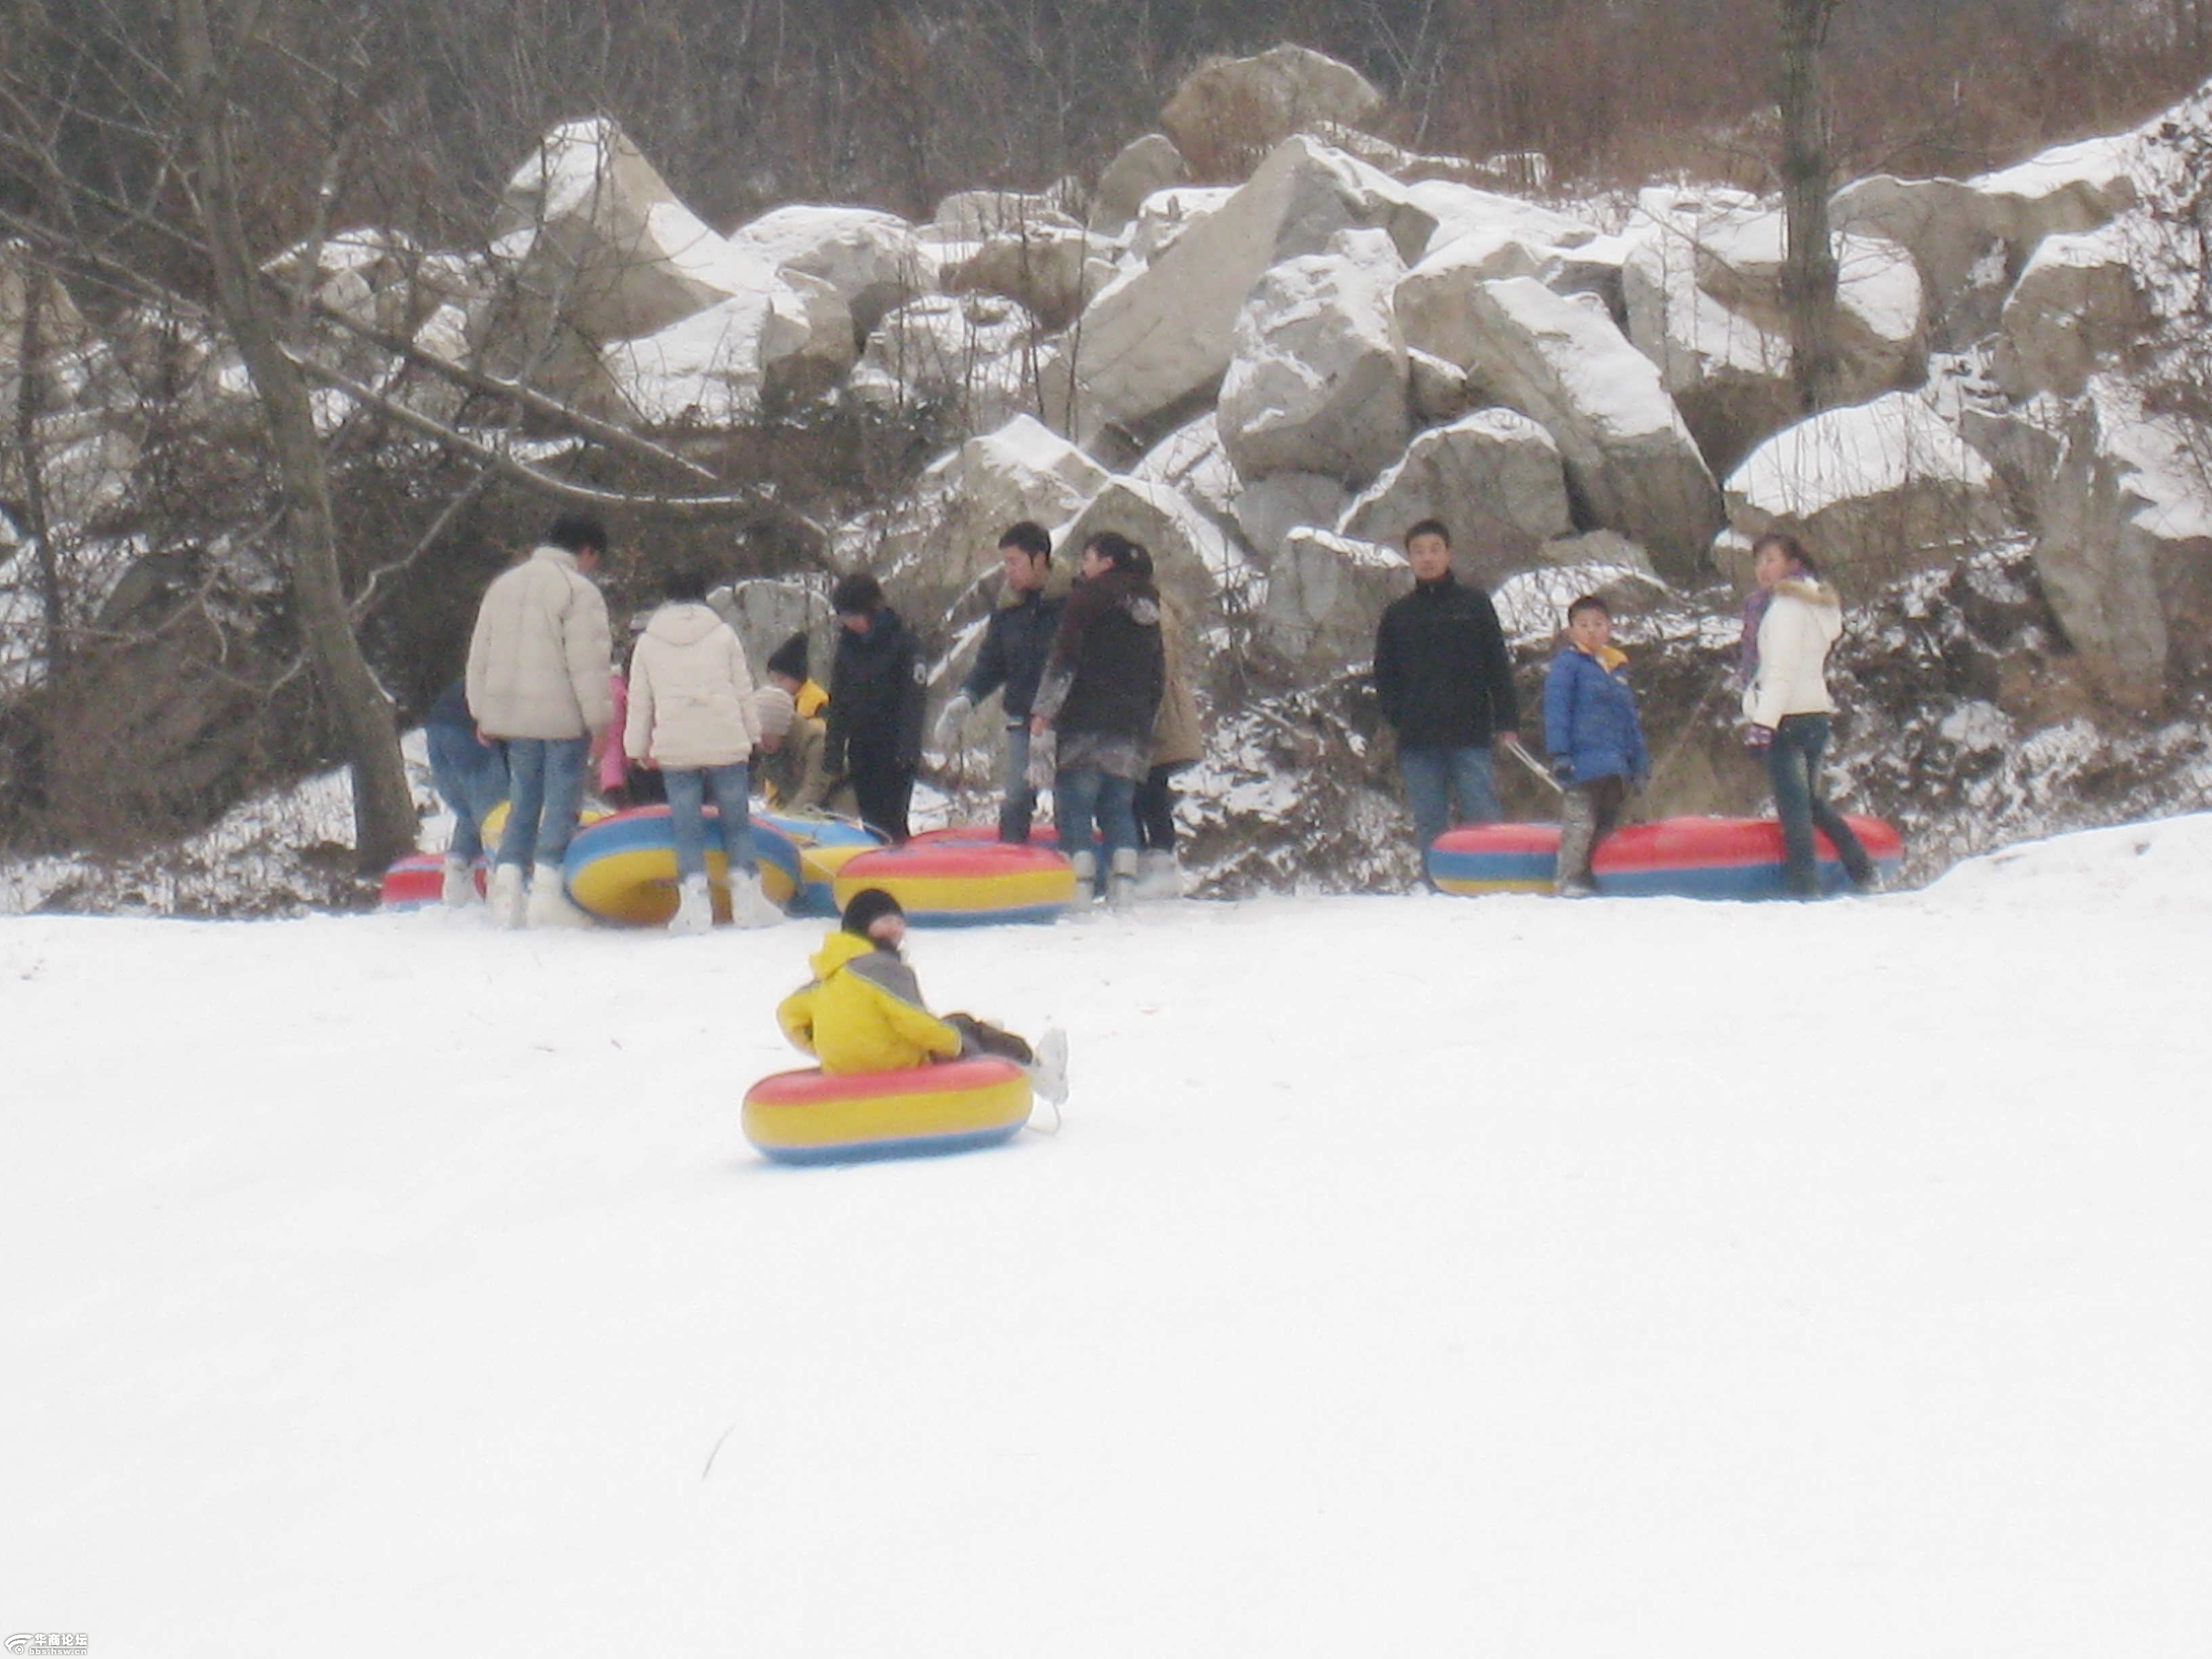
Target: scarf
<point x="1754" y="612"/>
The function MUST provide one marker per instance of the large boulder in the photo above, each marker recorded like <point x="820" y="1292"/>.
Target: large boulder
<point x="1326" y="596"/>
<point x="1191" y="461"/>
<point x="1195" y="558"/>
<point x="1729" y="376"/>
<point x="1875" y="490"/>
<point x="1165" y="215"/>
<point x="1494" y="477"/>
<point x="1316" y="377"/>
<point x="972" y="354"/>
<point x="1145" y="166"/>
<point x="1631" y="464"/>
<point x="872" y="259"/>
<point x="1024" y="470"/>
<point x="1155" y="343"/>
<point x="975" y="215"/>
<point x="794" y="338"/>
<point x="1953" y="227"/>
<point x="1049" y="264"/>
<point x="2078" y="303"/>
<point x="1230" y="111"/>
<point x="1267" y="511"/>
<point x="1462" y="211"/>
<point x="587" y="229"/>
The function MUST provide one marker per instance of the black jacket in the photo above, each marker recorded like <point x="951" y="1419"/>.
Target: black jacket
<point x="875" y="696"/>
<point x="1442" y="670"/>
<point x="1016" y="642"/>
<point x="1108" y="650"/>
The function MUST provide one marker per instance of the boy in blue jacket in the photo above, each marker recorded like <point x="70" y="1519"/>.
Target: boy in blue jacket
<point x="1593" y="738"/>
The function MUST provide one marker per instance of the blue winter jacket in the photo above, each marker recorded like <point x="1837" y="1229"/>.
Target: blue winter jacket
<point x="1589" y="717"/>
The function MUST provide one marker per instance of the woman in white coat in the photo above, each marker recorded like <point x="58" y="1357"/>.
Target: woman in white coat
<point x="1789" y="622"/>
<point x="692" y="716"/>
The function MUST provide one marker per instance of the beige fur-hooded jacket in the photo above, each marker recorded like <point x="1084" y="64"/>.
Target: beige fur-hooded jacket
<point x="690" y="692"/>
<point x="538" y="660"/>
<point x="1804" y="619"/>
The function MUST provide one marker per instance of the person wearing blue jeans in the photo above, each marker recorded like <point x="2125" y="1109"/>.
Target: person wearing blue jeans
<point x="731" y="789"/>
<point x="1016" y="640"/>
<point x="545" y="794"/>
<point x="470" y="777"/>
<point x="1445" y="682"/>
<point x="1790" y="620"/>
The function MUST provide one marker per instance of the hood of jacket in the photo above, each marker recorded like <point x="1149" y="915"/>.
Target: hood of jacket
<point x="1825" y="605"/>
<point x="684" y="623"/>
<point x="839" y="949"/>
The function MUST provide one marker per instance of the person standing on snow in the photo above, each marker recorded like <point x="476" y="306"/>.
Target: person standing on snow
<point x="691" y="716"/>
<point x="1016" y="642"/>
<point x="876" y="699"/>
<point x="1178" y="743"/>
<point x="470" y="775"/>
<point x="1595" y="740"/>
<point x="1445" y="682"/>
<point x="537" y="682"/>
<point x="1789" y="621"/>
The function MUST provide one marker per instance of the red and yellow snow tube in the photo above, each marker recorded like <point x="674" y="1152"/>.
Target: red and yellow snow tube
<point x="957" y="884"/>
<point x="813" y="1117"/>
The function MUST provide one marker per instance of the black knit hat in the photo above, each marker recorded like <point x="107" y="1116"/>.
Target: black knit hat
<point x="789" y="658"/>
<point x="868" y="907"/>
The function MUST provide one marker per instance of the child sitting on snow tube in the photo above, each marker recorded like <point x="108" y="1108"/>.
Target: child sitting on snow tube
<point x="863" y="1010"/>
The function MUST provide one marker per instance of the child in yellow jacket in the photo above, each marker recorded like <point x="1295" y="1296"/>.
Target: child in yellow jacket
<point x="863" y="1010"/>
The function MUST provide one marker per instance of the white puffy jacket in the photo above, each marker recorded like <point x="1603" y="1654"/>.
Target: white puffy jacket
<point x="690" y="692"/>
<point x="1804" y="619"/>
<point x="539" y="660"/>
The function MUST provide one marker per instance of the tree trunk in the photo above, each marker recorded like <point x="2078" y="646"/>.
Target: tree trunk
<point x="1808" y="268"/>
<point x="30" y="385"/>
<point x="383" y="805"/>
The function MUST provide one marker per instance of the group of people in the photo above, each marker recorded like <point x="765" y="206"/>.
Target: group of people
<point x="1445" y="681"/>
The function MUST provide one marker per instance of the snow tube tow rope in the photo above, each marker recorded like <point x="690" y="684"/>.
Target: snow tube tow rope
<point x="815" y="1118"/>
<point x="1679" y="858"/>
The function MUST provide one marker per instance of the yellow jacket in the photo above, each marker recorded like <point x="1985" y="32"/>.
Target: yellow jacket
<point x="863" y="1012"/>
<point x="810" y="701"/>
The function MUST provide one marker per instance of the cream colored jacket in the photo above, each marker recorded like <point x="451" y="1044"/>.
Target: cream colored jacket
<point x="1803" y="621"/>
<point x="538" y="660"/>
<point x="690" y="692"/>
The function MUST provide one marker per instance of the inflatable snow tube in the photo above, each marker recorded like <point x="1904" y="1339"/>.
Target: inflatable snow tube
<point x="980" y="834"/>
<point x="822" y="845"/>
<point x="812" y="1117"/>
<point x="623" y="869"/>
<point x="418" y="881"/>
<point x="1674" y="858"/>
<point x="952" y="884"/>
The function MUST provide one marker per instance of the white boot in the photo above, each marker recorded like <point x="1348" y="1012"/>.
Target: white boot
<point x="1121" y="882"/>
<point x="748" y="906"/>
<point x="1159" y="876"/>
<point x="459" y="888"/>
<point x="1086" y="881"/>
<point x="1048" y="1069"/>
<point x="507" y="897"/>
<point x="549" y="900"/>
<point x="694" y="908"/>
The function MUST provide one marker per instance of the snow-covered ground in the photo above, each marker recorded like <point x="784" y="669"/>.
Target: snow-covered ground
<point x="1410" y="1276"/>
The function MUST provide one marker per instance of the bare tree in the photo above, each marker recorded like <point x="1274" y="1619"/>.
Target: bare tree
<point x="1809" y="268"/>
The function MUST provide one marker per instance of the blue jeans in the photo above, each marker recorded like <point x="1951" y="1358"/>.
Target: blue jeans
<point x="1433" y="776"/>
<point x="471" y="778"/>
<point x="1083" y="798"/>
<point x="1020" y="806"/>
<point x="546" y="791"/>
<point x="1793" y="767"/>
<point x="733" y="810"/>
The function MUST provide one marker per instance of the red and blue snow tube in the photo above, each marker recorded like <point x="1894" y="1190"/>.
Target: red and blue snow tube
<point x="1676" y="858"/>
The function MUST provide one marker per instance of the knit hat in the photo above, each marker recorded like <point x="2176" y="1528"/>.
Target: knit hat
<point x="789" y="658"/>
<point x="773" y="704"/>
<point x="868" y="907"/>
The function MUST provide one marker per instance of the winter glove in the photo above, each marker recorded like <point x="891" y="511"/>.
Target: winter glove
<point x="954" y="717"/>
<point x="1758" y="739"/>
<point x="1044" y="759"/>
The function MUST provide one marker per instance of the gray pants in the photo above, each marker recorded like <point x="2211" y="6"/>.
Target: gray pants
<point x="1589" y="812"/>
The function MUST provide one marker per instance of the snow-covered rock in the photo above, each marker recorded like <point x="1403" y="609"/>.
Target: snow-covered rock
<point x="873" y="259"/>
<point x="1022" y="471"/>
<point x="1144" y="166"/>
<point x="1326" y="596"/>
<point x="975" y="215"/>
<point x="2077" y="303"/>
<point x="794" y="337"/>
<point x="1191" y="461"/>
<point x="1875" y="490"/>
<point x="1192" y="555"/>
<point x="1632" y="463"/>
<point x="973" y="351"/>
<point x="1317" y="376"/>
<point x="1165" y="215"/>
<point x="1494" y="477"/>
<point x="1461" y="211"/>
<point x="1229" y="112"/>
<point x="589" y="229"/>
<point x="1050" y="264"/>
<point x="1269" y="510"/>
<point x="1158" y="339"/>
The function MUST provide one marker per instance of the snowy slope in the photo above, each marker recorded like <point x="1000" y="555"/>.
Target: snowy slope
<point x="384" y="1284"/>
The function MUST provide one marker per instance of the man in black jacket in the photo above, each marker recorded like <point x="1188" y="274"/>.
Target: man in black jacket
<point x="1015" y="641"/>
<point x="1446" y="684"/>
<point x="875" y="704"/>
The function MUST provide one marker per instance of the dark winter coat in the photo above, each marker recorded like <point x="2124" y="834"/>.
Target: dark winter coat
<point x="1442" y="670"/>
<point x="1107" y="667"/>
<point x="876" y="697"/>
<point x="1590" y="718"/>
<point x="1016" y="640"/>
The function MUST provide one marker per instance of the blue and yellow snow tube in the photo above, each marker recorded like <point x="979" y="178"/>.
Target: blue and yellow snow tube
<point x="623" y="869"/>
<point x="954" y="884"/>
<point x="823" y="844"/>
<point x="813" y="1117"/>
